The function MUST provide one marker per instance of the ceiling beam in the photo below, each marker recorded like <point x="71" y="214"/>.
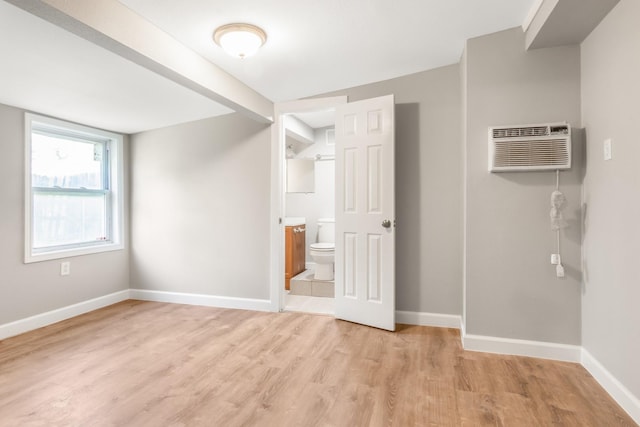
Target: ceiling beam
<point x="113" y="26"/>
<point x="533" y="11"/>
<point x="565" y="22"/>
<point x="298" y="130"/>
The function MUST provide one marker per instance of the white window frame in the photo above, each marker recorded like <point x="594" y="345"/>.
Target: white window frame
<point x="115" y="215"/>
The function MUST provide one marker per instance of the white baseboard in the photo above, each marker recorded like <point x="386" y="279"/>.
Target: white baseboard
<point x="44" y="319"/>
<point x="615" y="388"/>
<point x="428" y="319"/>
<point x="201" y="299"/>
<point x="463" y="327"/>
<point x="543" y="350"/>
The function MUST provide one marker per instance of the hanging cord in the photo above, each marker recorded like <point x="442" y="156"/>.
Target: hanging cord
<point x="558" y="230"/>
<point x="558" y="189"/>
<point x="559" y="267"/>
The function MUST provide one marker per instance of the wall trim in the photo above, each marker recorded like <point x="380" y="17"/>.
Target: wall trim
<point x="619" y="393"/>
<point x="201" y="299"/>
<point x="543" y="350"/>
<point x="47" y="318"/>
<point x="428" y="319"/>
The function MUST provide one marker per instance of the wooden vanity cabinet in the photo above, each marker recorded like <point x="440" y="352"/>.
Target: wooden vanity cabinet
<point x="294" y="242"/>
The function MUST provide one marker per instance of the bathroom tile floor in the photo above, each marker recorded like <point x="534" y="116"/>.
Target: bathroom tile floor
<point x="305" y="284"/>
<point x="308" y="304"/>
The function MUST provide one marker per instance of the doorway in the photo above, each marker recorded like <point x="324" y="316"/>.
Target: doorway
<point x="303" y="192"/>
<point x="364" y="232"/>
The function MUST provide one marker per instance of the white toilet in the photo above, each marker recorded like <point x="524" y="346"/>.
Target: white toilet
<point x="323" y="252"/>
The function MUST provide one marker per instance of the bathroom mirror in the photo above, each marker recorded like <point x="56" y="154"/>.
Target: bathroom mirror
<point x="300" y="175"/>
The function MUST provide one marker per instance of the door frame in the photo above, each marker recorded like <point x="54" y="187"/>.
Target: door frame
<point x="277" y="213"/>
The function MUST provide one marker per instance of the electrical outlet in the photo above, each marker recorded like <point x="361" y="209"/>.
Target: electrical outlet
<point x="608" y="154"/>
<point x="65" y="268"/>
<point x="555" y="259"/>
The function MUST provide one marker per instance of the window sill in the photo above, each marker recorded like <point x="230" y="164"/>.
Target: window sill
<point x="68" y="253"/>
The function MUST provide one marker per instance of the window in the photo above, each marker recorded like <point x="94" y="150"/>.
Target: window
<point x="74" y="203"/>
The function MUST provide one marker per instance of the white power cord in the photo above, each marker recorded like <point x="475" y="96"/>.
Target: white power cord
<point x="557" y="222"/>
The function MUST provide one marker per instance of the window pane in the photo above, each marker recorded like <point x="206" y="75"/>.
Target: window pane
<point x="65" y="163"/>
<point x="68" y="219"/>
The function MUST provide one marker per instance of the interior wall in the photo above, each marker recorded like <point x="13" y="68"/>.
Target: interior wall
<point x="30" y="289"/>
<point x="511" y="287"/>
<point x="200" y="208"/>
<point x="200" y="197"/>
<point x="320" y="203"/>
<point x="428" y="187"/>
<point x="610" y="109"/>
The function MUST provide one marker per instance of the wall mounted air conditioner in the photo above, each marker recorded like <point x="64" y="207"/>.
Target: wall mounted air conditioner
<point x="529" y="147"/>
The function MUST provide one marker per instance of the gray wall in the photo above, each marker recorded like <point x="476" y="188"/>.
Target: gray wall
<point x="200" y="198"/>
<point x="610" y="109"/>
<point x="428" y="187"/>
<point x="30" y="289"/>
<point x="200" y="208"/>
<point x="511" y="288"/>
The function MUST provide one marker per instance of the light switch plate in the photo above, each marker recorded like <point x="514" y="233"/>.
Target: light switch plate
<point x="65" y="268"/>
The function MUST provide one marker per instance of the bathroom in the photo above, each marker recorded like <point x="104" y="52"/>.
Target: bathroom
<point x="309" y="212"/>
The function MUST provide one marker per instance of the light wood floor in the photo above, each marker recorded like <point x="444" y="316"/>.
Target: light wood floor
<point x="154" y="364"/>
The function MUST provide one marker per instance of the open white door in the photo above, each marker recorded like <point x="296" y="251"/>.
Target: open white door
<point x="365" y="213"/>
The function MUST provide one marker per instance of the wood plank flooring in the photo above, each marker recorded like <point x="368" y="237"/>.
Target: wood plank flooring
<point x="154" y="364"/>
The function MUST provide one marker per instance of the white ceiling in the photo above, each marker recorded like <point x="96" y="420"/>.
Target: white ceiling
<point x="50" y="71"/>
<point x="313" y="47"/>
<point x="317" y="119"/>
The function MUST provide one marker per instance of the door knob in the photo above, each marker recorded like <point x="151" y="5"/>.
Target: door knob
<point x="386" y="223"/>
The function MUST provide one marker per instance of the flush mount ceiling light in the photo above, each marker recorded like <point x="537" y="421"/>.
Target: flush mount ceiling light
<point x="240" y="40"/>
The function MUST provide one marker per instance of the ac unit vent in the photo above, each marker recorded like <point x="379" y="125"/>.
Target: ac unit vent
<point x="529" y="148"/>
<point x="519" y="132"/>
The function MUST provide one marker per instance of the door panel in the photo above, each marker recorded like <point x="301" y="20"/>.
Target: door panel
<point x="365" y="248"/>
<point x="375" y="251"/>
<point x="349" y="277"/>
<point x="374" y="175"/>
<point x="350" y="183"/>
